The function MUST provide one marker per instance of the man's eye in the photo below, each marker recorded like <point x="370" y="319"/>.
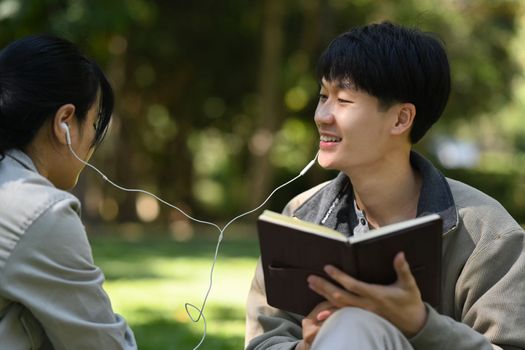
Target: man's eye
<point x="322" y="97"/>
<point x="95" y="126"/>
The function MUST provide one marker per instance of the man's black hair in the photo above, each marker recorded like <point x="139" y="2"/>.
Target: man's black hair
<point x="394" y="64"/>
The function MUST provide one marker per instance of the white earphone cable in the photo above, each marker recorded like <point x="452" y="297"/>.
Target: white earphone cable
<point x="221" y="230"/>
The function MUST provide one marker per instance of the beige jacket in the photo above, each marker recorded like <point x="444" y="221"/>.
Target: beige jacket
<point x="51" y="294"/>
<point x="483" y="284"/>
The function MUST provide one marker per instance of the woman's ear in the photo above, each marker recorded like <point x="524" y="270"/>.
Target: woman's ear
<point x="405" y="114"/>
<point x="65" y="114"/>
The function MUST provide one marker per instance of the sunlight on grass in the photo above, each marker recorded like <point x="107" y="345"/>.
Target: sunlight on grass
<point x="150" y="281"/>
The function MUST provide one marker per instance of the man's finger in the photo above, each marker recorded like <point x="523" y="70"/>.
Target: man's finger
<point x="348" y="282"/>
<point x="402" y="268"/>
<point x="323" y="315"/>
<point x="337" y="296"/>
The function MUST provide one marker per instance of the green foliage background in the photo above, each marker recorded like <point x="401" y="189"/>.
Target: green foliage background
<point x="215" y="99"/>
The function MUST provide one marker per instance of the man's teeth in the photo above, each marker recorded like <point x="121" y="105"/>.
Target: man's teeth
<point x="330" y="139"/>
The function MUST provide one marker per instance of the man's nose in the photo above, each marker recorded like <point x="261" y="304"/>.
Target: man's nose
<point x="323" y="114"/>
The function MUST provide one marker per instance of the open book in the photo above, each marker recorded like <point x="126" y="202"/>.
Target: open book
<point x="292" y="249"/>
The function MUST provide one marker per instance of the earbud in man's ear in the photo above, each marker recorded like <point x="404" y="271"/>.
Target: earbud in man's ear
<point x="66" y="129"/>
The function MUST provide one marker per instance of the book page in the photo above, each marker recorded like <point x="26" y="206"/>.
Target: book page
<point x="385" y="230"/>
<point x="301" y="225"/>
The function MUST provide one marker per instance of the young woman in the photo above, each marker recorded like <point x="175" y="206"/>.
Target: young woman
<point x="51" y="294"/>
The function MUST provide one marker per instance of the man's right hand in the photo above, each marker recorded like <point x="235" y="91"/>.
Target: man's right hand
<point x="313" y="322"/>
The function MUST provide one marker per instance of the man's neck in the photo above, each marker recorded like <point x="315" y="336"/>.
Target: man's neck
<point x="387" y="191"/>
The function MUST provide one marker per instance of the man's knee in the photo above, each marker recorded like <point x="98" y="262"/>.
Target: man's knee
<point x="355" y="328"/>
<point x="356" y="319"/>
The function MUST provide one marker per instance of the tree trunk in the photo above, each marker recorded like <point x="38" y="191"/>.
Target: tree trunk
<point x="269" y="119"/>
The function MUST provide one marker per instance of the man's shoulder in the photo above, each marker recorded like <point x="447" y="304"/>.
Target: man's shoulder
<point x="466" y="196"/>
<point x="478" y="209"/>
<point x="298" y="200"/>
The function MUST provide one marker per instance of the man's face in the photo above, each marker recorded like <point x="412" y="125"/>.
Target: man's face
<point x="354" y="131"/>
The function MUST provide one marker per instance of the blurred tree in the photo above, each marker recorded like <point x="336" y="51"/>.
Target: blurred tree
<point x="270" y="116"/>
<point x="215" y="100"/>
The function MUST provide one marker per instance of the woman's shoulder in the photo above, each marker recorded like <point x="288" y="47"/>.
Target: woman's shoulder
<point x="40" y="218"/>
<point x="25" y="197"/>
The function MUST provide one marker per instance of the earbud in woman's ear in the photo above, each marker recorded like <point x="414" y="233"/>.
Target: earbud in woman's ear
<point x="66" y="129"/>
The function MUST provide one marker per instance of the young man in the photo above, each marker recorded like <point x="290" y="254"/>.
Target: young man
<point x="382" y="87"/>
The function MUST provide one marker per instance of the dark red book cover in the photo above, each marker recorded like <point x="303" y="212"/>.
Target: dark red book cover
<point x="291" y="250"/>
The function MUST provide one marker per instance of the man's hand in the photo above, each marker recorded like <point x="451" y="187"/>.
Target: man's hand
<point x="399" y="303"/>
<point x="313" y="322"/>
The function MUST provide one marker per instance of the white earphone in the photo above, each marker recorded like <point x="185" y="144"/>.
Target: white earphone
<point x="66" y="129"/>
<point x="200" y="311"/>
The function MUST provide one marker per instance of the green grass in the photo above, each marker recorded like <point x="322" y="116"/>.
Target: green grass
<point x="149" y="280"/>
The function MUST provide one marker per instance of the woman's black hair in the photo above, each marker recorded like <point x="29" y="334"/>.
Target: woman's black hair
<point x="394" y="64"/>
<point x="38" y="75"/>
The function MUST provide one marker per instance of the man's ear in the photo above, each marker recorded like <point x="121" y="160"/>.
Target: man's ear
<point x="404" y="118"/>
<point x="65" y="114"/>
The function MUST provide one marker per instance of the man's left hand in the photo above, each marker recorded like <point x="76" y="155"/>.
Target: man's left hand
<point x="400" y="303"/>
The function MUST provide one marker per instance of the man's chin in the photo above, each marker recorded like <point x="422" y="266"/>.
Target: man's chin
<point x="327" y="164"/>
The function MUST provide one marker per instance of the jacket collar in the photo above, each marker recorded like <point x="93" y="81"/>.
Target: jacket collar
<point x="21" y="158"/>
<point x="435" y="197"/>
